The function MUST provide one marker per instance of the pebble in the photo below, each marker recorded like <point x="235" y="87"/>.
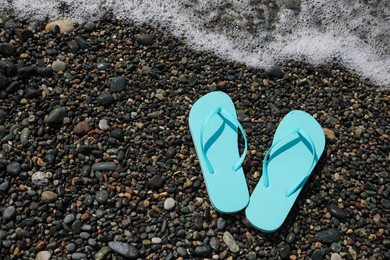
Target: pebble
<point x="275" y="72"/>
<point x="337" y="212"/>
<point x="181" y="251"/>
<point x="156" y="240"/>
<point x="329" y="135"/>
<point x="48" y="196"/>
<point x="101" y="196"/>
<point x="13" y="168"/>
<point x="204" y="250"/>
<point x="124" y="249"/>
<point x="4" y="186"/>
<point x="81" y="128"/>
<point x="41" y="179"/>
<point x="230" y="242"/>
<point x="106" y="99"/>
<point x="32" y="93"/>
<point x="169" y="204"/>
<point x="73" y="46"/>
<point x="118" y="134"/>
<point x="290" y="238"/>
<point x="221" y="224"/>
<point x="58" y="66"/>
<point x="64" y="26"/>
<point x="215" y="244"/>
<point x="103" y="66"/>
<point x="102" y="253"/>
<point x="155" y="182"/>
<point x="385" y="203"/>
<point x="69" y="219"/>
<point x="7" y="49"/>
<point x="144" y="39"/>
<point x="328" y="236"/>
<point x="104" y="166"/>
<point x="82" y="43"/>
<point x="77" y="256"/>
<point x="285" y="251"/>
<point x="118" y="84"/>
<point x="335" y="256"/>
<point x="56" y="116"/>
<point x="103" y="124"/>
<point x="9" y="213"/>
<point x="43" y="255"/>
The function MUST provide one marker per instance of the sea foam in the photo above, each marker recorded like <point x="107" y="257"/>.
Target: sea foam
<point x="258" y="33"/>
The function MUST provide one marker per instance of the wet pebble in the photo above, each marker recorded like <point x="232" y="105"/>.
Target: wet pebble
<point x="102" y="253"/>
<point x="106" y="99"/>
<point x="9" y="213"/>
<point x="7" y="49"/>
<point x="13" y="168"/>
<point x="104" y="166"/>
<point x="58" y="66"/>
<point x="155" y="182"/>
<point x="56" y="116"/>
<point x="118" y="84"/>
<point x="124" y="249"/>
<point x="337" y="212"/>
<point x="204" y="250"/>
<point x="81" y="128"/>
<point x="275" y="72"/>
<point x="285" y="251"/>
<point x="101" y="196"/>
<point x="328" y="236"/>
<point x="48" y="196"/>
<point x="230" y="242"/>
<point x="169" y="204"/>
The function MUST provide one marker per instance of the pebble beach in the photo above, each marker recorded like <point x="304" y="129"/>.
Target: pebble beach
<point x="97" y="161"/>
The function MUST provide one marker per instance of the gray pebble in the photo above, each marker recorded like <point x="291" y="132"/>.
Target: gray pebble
<point x="57" y="115"/>
<point x="9" y="213"/>
<point x="103" y="166"/>
<point x="230" y="242"/>
<point x="69" y="219"/>
<point x="78" y="256"/>
<point x="58" y="66"/>
<point x="124" y="249"/>
<point x="101" y="196"/>
<point x="118" y="84"/>
<point x="13" y="168"/>
<point x="328" y="236"/>
<point x="336" y="211"/>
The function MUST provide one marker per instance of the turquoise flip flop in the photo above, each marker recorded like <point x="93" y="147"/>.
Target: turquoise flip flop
<point x="296" y="148"/>
<point x="214" y="129"/>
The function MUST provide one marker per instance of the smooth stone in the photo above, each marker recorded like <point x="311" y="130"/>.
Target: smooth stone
<point x="81" y="128"/>
<point x="169" y="204"/>
<point x="4" y="186"/>
<point x="2" y="130"/>
<point x="193" y="79"/>
<point x="13" y="168"/>
<point x="104" y="166"/>
<point x="48" y="196"/>
<point x="43" y="255"/>
<point x="7" y="49"/>
<point x="24" y="34"/>
<point x="328" y="236"/>
<point x="9" y="213"/>
<point x="221" y="224"/>
<point x="71" y="247"/>
<point x="204" y="250"/>
<point x="45" y="72"/>
<point x="317" y="255"/>
<point x="41" y="178"/>
<point x="31" y="93"/>
<point x="275" y="72"/>
<point x="385" y="203"/>
<point x="89" y="26"/>
<point x="144" y="39"/>
<point x="26" y="71"/>
<point x="78" y="256"/>
<point x="105" y="99"/>
<point x="4" y="82"/>
<point x="103" y="66"/>
<point x="336" y="256"/>
<point x="51" y="52"/>
<point x="284" y="251"/>
<point x="118" y="84"/>
<point x="155" y="182"/>
<point x="63" y="25"/>
<point x="57" y="115"/>
<point x="81" y="41"/>
<point x="215" y="244"/>
<point x="181" y="251"/>
<point x="329" y="134"/>
<point x="69" y="219"/>
<point x="24" y="136"/>
<point x="73" y="46"/>
<point x="58" y="65"/>
<point x="101" y="196"/>
<point x="102" y="253"/>
<point x="230" y="242"/>
<point x="290" y="238"/>
<point x="124" y="249"/>
<point x="337" y="212"/>
<point x="117" y="133"/>
<point x="156" y="240"/>
<point x="103" y="124"/>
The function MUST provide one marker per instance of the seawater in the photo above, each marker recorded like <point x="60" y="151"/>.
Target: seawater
<point x="258" y="33"/>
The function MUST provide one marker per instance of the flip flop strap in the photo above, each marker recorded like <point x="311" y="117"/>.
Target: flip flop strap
<point x="222" y="112"/>
<point x="303" y="134"/>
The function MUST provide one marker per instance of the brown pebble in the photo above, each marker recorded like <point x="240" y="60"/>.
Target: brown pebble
<point x="48" y="196"/>
<point x="85" y="216"/>
<point x="329" y="134"/>
<point x="81" y="128"/>
<point x="24" y="56"/>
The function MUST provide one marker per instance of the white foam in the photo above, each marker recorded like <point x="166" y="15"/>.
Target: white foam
<point x="357" y="32"/>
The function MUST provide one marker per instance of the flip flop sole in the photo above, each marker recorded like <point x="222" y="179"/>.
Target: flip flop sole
<point x="287" y="166"/>
<point x="227" y="189"/>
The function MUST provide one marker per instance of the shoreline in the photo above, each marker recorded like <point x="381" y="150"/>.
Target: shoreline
<point x="95" y="139"/>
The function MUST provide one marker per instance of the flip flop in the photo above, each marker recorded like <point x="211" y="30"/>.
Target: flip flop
<point x="296" y="148"/>
<point x="214" y="129"/>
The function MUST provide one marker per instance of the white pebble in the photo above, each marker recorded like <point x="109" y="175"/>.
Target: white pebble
<point x="169" y="204"/>
<point x="103" y="124"/>
<point x="58" y="65"/>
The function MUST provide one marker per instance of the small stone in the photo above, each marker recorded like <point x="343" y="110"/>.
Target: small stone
<point x="337" y="212"/>
<point x="335" y="256"/>
<point x="41" y="178"/>
<point x="31" y="93"/>
<point x="43" y="255"/>
<point x="102" y="66"/>
<point x="117" y="133"/>
<point x="385" y="203"/>
<point x="290" y="238"/>
<point x="45" y="72"/>
<point x="82" y="43"/>
<point x="275" y="72"/>
<point x="124" y="249"/>
<point x="63" y="25"/>
<point x="13" y="168"/>
<point x="230" y="242"/>
<point x="101" y="196"/>
<point x="102" y="253"/>
<point x="193" y="79"/>
<point x="103" y="166"/>
<point x="69" y="219"/>
<point x="169" y="203"/>
<point x="328" y="236"/>
<point x="221" y="223"/>
<point x="9" y="213"/>
<point x="103" y="124"/>
<point x="71" y="247"/>
<point x="7" y="49"/>
<point x="57" y="115"/>
<point x="155" y="182"/>
<point x="215" y="244"/>
<point x="144" y="39"/>
<point x="26" y="71"/>
<point x="118" y="84"/>
<point x="89" y="26"/>
<point x="251" y="256"/>
<point x="181" y="251"/>
<point x="58" y="65"/>
<point x="105" y="99"/>
<point x="81" y="128"/>
<point x="156" y="240"/>
<point x="329" y="134"/>
<point x="202" y="250"/>
<point x="317" y="255"/>
<point x="78" y="256"/>
<point x="73" y="46"/>
<point x="4" y="186"/>
<point x="48" y="196"/>
<point x="285" y="251"/>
